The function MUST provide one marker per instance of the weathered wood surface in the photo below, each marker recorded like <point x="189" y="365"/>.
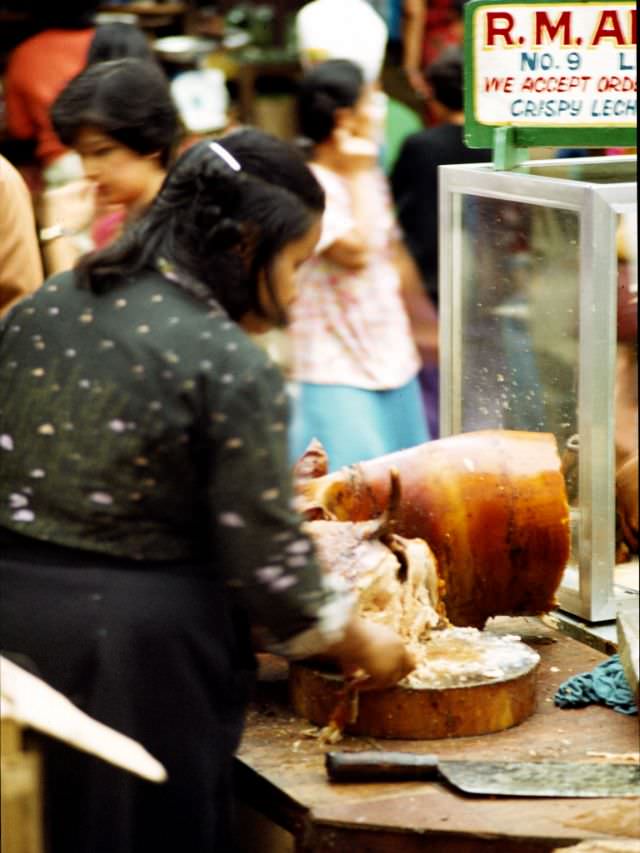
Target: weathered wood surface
<point x="21" y="806"/>
<point x="280" y="772"/>
<point x="606" y="845"/>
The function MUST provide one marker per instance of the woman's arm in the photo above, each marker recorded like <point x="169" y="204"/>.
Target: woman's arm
<point x="64" y="213"/>
<point x="350" y="251"/>
<point x="414" y="19"/>
<point x="268" y="561"/>
<point x="349" y="216"/>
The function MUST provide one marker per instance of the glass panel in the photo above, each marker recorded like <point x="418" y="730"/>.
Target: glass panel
<point x="520" y="310"/>
<point x="626" y="574"/>
<point x="602" y="172"/>
<point x="520" y="323"/>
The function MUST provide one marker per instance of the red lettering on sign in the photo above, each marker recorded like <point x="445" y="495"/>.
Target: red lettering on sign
<point x="499" y="26"/>
<point x="544" y="25"/>
<point x="617" y="84"/>
<point x="608" y="28"/>
<point x="498" y="84"/>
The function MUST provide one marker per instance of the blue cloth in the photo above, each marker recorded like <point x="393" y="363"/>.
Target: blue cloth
<point x="605" y="685"/>
<point x="355" y="424"/>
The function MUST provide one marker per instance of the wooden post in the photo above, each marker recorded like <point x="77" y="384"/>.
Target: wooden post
<point x="21" y="810"/>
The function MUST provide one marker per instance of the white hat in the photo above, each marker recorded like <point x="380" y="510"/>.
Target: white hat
<point x="342" y="29"/>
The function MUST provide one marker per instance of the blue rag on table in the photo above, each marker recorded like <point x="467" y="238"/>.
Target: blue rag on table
<point x="605" y="685"/>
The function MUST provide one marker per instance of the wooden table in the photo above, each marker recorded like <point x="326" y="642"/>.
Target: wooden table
<point x="280" y="773"/>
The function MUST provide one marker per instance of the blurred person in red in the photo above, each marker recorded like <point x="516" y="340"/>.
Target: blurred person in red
<point x="444" y="29"/>
<point x="37" y="70"/>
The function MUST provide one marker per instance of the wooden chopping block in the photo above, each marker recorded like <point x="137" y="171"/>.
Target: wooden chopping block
<point x="408" y="714"/>
<point x="461" y="705"/>
<point x="491" y="505"/>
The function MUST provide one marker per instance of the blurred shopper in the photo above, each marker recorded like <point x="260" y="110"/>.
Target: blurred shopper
<point x="444" y="28"/>
<point x="354" y="360"/>
<point x="119" y="40"/>
<point x="402" y="75"/>
<point x="414" y="182"/>
<point x="120" y="118"/>
<point x="145" y="496"/>
<point x="20" y="261"/>
<point x="380" y="37"/>
<point x="36" y="72"/>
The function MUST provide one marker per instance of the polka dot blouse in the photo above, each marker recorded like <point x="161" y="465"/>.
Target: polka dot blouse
<point x="145" y="425"/>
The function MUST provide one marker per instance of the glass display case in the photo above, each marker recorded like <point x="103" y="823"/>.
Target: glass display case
<point x="531" y="333"/>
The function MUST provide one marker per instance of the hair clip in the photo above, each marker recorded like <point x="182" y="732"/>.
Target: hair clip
<point x="229" y="159"/>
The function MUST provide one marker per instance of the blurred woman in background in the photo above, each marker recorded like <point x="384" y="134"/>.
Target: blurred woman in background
<point x="354" y="360"/>
<point x="120" y="118"/>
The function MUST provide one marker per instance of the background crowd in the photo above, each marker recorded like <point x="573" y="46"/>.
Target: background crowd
<point x="94" y="153"/>
<point x="145" y="266"/>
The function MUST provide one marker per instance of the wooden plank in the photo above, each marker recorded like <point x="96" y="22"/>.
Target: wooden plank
<point x="604" y="846"/>
<point x="21" y="811"/>
<point x="628" y="627"/>
<point x="281" y="772"/>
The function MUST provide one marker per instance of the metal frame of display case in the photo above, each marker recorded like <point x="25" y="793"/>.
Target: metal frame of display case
<point x="587" y="589"/>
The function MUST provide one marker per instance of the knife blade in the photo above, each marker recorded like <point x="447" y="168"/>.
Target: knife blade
<point x="502" y="778"/>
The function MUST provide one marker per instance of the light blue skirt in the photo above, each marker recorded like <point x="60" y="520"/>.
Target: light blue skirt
<point x="355" y="424"/>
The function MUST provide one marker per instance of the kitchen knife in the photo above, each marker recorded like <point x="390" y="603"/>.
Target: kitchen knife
<point x="506" y="778"/>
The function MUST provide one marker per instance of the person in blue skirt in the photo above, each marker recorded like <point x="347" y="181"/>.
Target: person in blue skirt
<point x="354" y="359"/>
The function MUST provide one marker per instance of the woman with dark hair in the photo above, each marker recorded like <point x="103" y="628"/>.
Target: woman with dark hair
<point x="120" y="118"/>
<point x="145" y="495"/>
<point x="354" y="358"/>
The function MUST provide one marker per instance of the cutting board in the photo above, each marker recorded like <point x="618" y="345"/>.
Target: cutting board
<point x="455" y="709"/>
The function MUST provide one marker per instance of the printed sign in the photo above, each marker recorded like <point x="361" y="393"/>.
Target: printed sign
<point x="558" y="73"/>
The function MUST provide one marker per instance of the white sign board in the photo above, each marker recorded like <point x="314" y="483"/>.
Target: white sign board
<point x="554" y="64"/>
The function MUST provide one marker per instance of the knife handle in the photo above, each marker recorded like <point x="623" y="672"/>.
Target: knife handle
<point x="378" y="765"/>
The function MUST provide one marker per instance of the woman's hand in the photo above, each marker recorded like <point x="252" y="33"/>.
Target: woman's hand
<point x="72" y="206"/>
<point x="377" y="650"/>
<point x="354" y="153"/>
<point x="349" y="251"/>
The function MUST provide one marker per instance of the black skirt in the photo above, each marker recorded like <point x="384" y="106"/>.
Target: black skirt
<point x="156" y="651"/>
